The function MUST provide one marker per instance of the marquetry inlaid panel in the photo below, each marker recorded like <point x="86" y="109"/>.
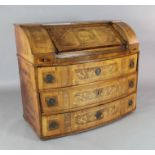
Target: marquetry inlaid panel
<point x="70" y="37"/>
<point x="39" y="39"/>
<point x="94" y="116"/>
<point x="87" y="72"/>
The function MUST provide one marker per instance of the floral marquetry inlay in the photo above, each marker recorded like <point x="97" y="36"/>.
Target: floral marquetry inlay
<point x="71" y="37"/>
<point x="97" y="93"/>
<point x="100" y="94"/>
<point x="82" y="119"/>
<point x="87" y="73"/>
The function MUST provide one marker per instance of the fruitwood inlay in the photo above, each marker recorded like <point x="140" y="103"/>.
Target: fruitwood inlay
<point x="39" y="39"/>
<point x="97" y="93"/>
<point x="67" y="121"/>
<point x="112" y="111"/>
<point x="87" y="118"/>
<point x="73" y="37"/>
<point x="88" y="73"/>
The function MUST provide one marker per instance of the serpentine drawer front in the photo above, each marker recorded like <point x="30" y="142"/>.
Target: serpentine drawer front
<point x="84" y="95"/>
<point x="76" y="76"/>
<point x="84" y="119"/>
<point x="53" y="77"/>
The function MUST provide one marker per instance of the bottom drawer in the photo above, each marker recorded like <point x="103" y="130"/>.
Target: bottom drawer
<point x="61" y="124"/>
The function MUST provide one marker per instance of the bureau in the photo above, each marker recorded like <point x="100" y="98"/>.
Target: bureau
<point x="76" y="76"/>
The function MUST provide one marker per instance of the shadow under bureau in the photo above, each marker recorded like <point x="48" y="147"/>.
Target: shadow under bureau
<point x="76" y="76"/>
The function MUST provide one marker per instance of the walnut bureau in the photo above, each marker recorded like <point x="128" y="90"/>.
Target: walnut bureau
<point x="76" y="76"/>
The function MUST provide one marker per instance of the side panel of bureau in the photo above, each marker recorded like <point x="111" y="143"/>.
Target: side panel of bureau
<point x="30" y="98"/>
<point x="61" y="124"/>
<point x="82" y="96"/>
<point x="61" y="76"/>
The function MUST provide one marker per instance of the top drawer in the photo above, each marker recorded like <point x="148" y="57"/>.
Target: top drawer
<point x="61" y="76"/>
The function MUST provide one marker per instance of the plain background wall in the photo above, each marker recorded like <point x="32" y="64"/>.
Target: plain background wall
<point x="141" y="18"/>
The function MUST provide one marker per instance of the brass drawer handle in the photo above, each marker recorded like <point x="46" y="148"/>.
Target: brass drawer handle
<point x="49" y="78"/>
<point x="51" y="101"/>
<point x="130" y="102"/>
<point x="131" y="84"/>
<point x="98" y="71"/>
<point x="131" y="64"/>
<point x="98" y="115"/>
<point x="53" y="125"/>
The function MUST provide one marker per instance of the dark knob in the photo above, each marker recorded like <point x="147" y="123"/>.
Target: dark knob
<point x="97" y="71"/>
<point x="51" y="101"/>
<point x="130" y="102"/>
<point x="131" y="84"/>
<point x="49" y="78"/>
<point x="53" y="125"/>
<point x="98" y="114"/>
<point x="131" y="64"/>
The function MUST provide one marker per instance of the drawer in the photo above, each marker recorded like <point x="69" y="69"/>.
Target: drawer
<point x="58" y="125"/>
<point x="61" y="76"/>
<point x="82" y="96"/>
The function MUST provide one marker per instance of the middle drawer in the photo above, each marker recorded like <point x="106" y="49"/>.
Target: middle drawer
<point x="82" y="96"/>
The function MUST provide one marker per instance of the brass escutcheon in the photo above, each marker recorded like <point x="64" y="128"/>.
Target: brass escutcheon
<point x="130" y="102"/>
<point x="131" y="84"/>
<point x="98" y="71"/>
<point x="53" y="125"/>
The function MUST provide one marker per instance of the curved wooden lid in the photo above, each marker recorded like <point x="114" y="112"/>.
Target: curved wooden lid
<point x="86" y="36"/>
<point x="47" y="38"/>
